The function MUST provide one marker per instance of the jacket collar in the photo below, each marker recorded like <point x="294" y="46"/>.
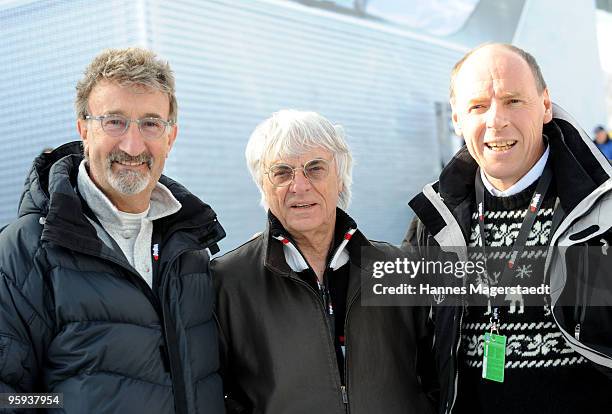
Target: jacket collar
<point x="35" y="196"/>
<point x="291" y="258"/>
<point x="360" y="250"/>
<point x="51" y="190"/>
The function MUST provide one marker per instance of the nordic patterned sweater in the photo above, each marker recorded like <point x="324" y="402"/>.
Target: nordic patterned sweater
<point x="542" y="373"/>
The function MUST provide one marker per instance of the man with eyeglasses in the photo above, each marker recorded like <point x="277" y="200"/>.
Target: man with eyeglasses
<point x="295" y="337"/>
<point x="105" y="294"/>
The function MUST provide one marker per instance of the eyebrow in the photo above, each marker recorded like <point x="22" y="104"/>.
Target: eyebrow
<point x="511" y="95"/>
<point x="151" y="115"/>
<point x="301" y="165"/>
<point x="147" y="115"/>
<point x="478" y="99"/>
<point x="506" y="95"/>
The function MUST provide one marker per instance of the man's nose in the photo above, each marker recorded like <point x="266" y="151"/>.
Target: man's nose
<point x="300" y="182"/>
<point x="132" y="142"/>
<point x="496" y="117"/>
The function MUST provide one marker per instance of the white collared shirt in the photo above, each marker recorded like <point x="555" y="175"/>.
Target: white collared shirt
<point x="534" y="173"/>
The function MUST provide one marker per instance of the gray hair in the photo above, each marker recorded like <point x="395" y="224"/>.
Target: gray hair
<point x="130" y="66"/>
<point x="290" y="133"/>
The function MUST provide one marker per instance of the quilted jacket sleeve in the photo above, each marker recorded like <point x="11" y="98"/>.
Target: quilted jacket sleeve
<point x="24" y="323"/>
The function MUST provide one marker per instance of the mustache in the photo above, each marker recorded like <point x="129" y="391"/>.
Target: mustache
<point x="121" y="156"/>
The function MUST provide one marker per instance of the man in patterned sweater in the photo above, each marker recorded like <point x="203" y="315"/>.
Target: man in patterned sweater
<point x="528" y="176"/>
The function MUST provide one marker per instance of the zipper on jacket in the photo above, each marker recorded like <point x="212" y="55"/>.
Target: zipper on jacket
<point x="343" y="388"/>
<point x="169" y="335"/>
<point x="330" y="340"/>
<point x="171" y="340"/>
<point x="344" y="396"/>
<point x="581" y="293"/>
<point x="324" y="297"/>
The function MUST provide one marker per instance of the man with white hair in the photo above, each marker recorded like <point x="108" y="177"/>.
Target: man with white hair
<point x="105" y="294"/>
<point x="295" y="335"/>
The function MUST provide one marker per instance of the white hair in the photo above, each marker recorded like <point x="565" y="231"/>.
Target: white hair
<point x="289" y="133"/>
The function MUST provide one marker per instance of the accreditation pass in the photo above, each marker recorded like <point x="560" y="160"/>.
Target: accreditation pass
<point x="31" y="400"/>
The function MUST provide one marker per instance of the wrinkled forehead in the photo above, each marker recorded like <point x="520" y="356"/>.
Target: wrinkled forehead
<point x="123" y="85"/>
<point x="297" y="155"/>
<point x="120" y="98"/>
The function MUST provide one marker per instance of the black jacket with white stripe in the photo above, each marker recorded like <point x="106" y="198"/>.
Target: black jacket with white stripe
<point x="583" y="179"/>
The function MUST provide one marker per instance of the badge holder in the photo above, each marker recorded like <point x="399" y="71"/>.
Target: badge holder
<point x="494" y="357"/>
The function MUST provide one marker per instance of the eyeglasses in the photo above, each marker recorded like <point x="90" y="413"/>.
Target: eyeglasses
<point x="117" y="125"/>
<point x="282" y="175"/>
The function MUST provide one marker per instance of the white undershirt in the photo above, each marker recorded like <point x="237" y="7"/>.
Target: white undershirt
<point x="534" y="173"/>
<point x="131" y="231"/>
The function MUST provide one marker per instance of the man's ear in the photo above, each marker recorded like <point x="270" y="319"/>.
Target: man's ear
<point x="171" y="138"/>
<point x="548" y="115"/>
<point x="82" y="128"/>
<point x="455" y="119"/>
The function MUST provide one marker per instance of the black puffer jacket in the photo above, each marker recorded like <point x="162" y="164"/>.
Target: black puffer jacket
<point x="77" y="319"/>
